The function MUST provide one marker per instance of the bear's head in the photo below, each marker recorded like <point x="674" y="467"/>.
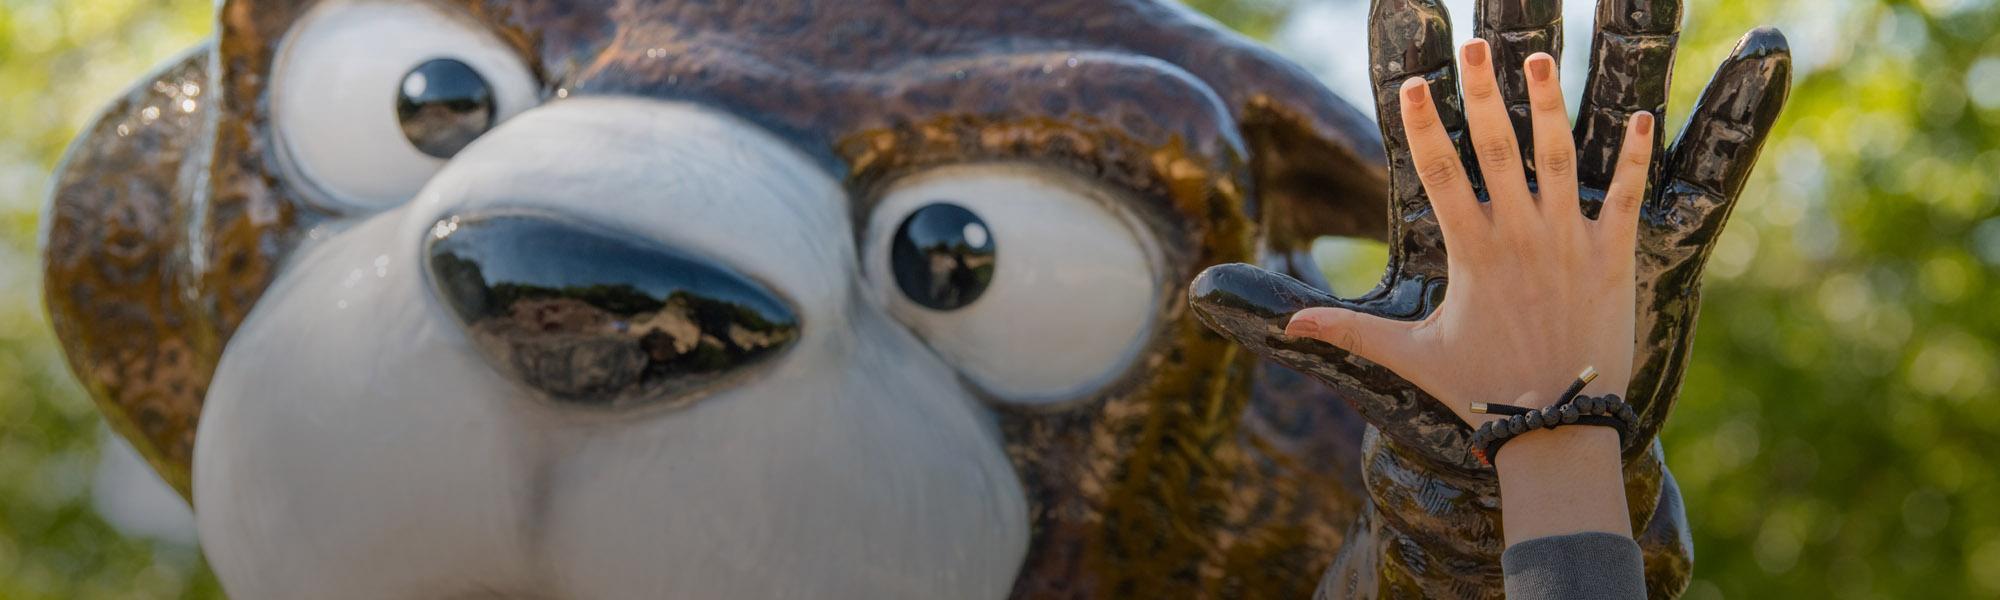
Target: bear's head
<point x="787" y="298"/>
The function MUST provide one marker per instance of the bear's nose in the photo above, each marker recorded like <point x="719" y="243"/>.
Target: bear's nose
<point x="590" y="317"/>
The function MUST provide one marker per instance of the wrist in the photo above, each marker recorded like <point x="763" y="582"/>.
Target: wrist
<point x="1566" y="479"/>
<point x="1562" y="447"/>
<point x="1562" y="481"/>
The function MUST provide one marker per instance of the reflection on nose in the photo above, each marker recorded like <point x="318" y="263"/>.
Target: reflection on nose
<point x="592" y="318"/>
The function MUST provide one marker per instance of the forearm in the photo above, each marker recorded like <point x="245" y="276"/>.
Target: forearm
<point x="1537" y="289"/>
<point x="1562" y="481"/>
<point x="1564" y="516"/>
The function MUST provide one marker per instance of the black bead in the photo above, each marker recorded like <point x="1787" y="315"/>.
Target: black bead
<point x="1534" y="419"/>
<point x="1569" y="414"/>
<point x="943" y="256"/>
<point x="443" y="105"/>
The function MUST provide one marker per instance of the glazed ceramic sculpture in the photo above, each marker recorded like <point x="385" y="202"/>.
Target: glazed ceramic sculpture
<point x="801" y="298"/>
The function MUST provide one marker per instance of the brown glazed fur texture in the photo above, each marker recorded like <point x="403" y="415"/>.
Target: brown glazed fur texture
<point x="1432" y="526"/>
<point x="1206" y="473"/>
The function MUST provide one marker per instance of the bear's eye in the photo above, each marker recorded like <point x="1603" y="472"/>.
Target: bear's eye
<point x="1035" y="284"/>
<point x="443" y="106"/>
<point x="369" y="99"/>
<point x="942" y="256"/>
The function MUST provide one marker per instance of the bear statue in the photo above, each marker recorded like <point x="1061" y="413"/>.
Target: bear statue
<point x="818" y="298"/>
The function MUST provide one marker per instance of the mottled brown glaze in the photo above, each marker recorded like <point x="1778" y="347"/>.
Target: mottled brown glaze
<point x="1426" y="492"/>
<point x="1191" y="476"/>
<point x="119" y="286"/>
<point x="1205" y="472"/>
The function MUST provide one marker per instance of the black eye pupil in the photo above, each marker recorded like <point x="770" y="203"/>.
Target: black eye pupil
<point x="942" y="256"/>
<point x="444" y="105"/>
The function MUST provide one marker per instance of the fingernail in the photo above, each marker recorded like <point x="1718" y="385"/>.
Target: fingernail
<point x="1475" y="53"/>
<point x="1642" y="123"/>
<point x="1415" y="90"/>
<point x="1302" y="328"/>
<point x="1538" y="67"/>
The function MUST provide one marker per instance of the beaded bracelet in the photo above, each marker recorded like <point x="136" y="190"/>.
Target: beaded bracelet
<point x="1570" y="409"/>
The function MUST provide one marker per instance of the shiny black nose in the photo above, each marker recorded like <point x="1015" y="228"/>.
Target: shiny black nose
<point x="593" y="318"/>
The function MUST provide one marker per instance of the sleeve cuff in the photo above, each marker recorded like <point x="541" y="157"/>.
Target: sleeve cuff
<point x="1582" y="565"/>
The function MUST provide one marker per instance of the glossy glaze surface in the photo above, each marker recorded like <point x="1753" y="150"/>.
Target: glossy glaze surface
<point x="1075" y="279"/>
<point x="593" y="318"/>
<point x="1201" y="471"/>
<point x="115" y="267"/>
<point x="1427" y="489"/>
<point x="943" y="256"/>
<point x="443" y="105"/>
<point x="1166" y="480"/>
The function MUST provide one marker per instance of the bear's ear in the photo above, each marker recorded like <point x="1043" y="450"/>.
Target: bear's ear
<point x="115" y="269"/>
<point x="1319" y="165"/>
<point x="1318" y="162"/>
<point x="1314" y="178"/>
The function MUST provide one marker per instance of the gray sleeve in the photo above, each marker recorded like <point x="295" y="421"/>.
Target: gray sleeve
<point x="1570" y="567"/>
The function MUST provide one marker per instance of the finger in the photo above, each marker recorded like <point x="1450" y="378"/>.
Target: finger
<point x="1412" y="38"/>
<point x="1631" y="61"/>
<point x="1493" y="137"/>
<point x="1711" y="162"/>
<point x="1437" y="163"/>
<point x="1385" y="342"/>
<point x="1252" y="306"/>
<point x="1555" y="150"/>
<point x="1716" y="151"/>
<point x="1519" y="29"/>
<point x="1628" y="186"/>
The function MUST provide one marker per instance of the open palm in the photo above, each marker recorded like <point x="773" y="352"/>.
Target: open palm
<point x="1693" y="187"/>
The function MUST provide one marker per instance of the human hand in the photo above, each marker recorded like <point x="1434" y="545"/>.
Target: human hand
<point x="1539" y="290"/>
<point x="1698" y="179"/>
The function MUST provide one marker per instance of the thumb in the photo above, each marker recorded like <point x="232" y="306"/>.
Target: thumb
<point x="1383" y="341"/>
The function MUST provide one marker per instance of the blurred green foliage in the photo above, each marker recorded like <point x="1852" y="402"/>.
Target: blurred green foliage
<point x="1257" y="18"/>
<point x="60" y="60"/>
<point x="1837" y="431"/>
<point x="1830" y="433"/>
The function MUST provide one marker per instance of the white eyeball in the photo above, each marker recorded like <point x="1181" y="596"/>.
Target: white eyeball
<point x="1037" y="285"/>
<point x="371" y="98"/>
